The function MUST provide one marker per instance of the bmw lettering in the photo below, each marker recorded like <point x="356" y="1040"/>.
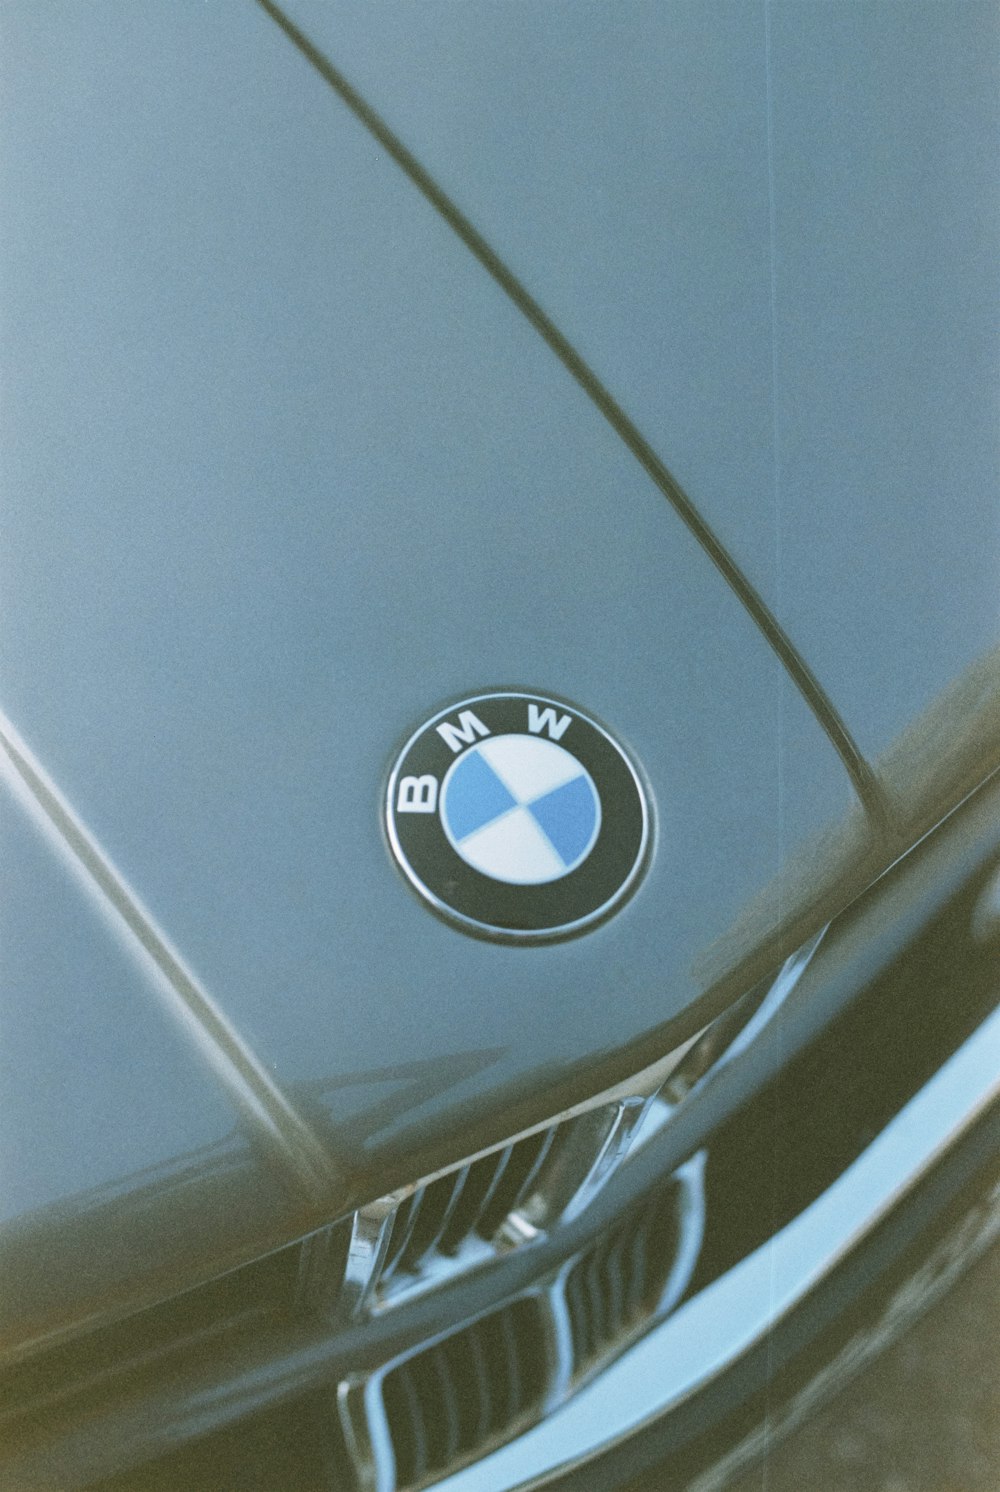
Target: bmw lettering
<point x="517" y="817"/>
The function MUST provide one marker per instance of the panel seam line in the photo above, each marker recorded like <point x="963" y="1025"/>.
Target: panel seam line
<point x="863" y="778"/>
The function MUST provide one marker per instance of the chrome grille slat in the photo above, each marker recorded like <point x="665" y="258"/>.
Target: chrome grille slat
<point x="637" y="1271"/>
<point x="452" y="1401"/>
<point x="402" y="1231"/>
<point x="371" y="1233"/>
<point x="455" y="1220"/>
<point x="438" y="1414"/>
<point x="449" y="1414"/>
<point x="513" y="1377"/>
<point x="481" y="1397"/>
<point x="536" y="1166"/>
<point x="468" y="1215"/>
<point x="581" y="1155"/>
<point x="592" y="1301"/>
<point x="413" y="1467"/>
<point x="521" y="1171"/>
<point x="617" y="1297"/>
<point x="439" y="1206"/>
<point x="423" y="1223"/>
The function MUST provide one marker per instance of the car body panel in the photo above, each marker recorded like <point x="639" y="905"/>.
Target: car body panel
<point x="286" y="472"/>
<point x="127" y="1166"/>
<point x="283" y="559"/>
<point x="770" y="231"/>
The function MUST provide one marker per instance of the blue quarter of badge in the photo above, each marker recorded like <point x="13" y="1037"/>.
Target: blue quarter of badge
<point x="568" y="817"/>
<point x="475" y="796"/>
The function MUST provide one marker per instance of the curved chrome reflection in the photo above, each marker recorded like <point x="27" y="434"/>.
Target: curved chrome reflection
<point x="734" y="1031"/>
<point x="569" y="1161"/>
<point x="583" y="1158"/>
<point x="707" y="1334"/>
<point x="563" y="1358"/>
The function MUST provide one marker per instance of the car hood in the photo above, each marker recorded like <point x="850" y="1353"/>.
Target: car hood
<point x="769" y="231"/>
<point x="287" y="471"/>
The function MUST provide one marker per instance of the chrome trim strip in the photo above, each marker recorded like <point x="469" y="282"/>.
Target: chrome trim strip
<point x="704" y="1061"/>
<point x="788" y="977"/>
<point x="707" y="1334"/>
<point x="690" y="1177"/>
<point x="561" y="1333"/>
<point x="580" y="1149"/>
<point x="369" y="1444"/>
<point x="977" y="1230"/>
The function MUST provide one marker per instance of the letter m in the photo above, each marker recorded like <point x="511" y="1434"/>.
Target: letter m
<point x="539" y="720"/>
<point x="464" y="733"/>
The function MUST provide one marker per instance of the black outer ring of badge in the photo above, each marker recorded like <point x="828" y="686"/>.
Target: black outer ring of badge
<point x="489" y="908"/>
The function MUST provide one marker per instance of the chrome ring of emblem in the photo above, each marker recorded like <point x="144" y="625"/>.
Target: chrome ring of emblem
<point x="518" y="817"/>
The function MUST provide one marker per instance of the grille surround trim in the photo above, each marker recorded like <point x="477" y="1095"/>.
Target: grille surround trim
<point x="361" y="1404"/>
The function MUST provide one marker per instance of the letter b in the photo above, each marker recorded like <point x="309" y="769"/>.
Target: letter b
<point x="417" y="794"/>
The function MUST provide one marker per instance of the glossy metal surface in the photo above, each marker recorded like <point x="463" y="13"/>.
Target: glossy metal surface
<point x="768" y="229"/>
<point x="283" y="470"/>
<point x="124" y="1138"/>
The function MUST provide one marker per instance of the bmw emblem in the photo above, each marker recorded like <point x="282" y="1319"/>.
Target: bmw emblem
<point x="517" y="817"/>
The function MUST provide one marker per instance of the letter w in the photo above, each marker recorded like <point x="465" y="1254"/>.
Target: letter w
<point x="464" y="733"/>
<point x="546" y="719"/>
